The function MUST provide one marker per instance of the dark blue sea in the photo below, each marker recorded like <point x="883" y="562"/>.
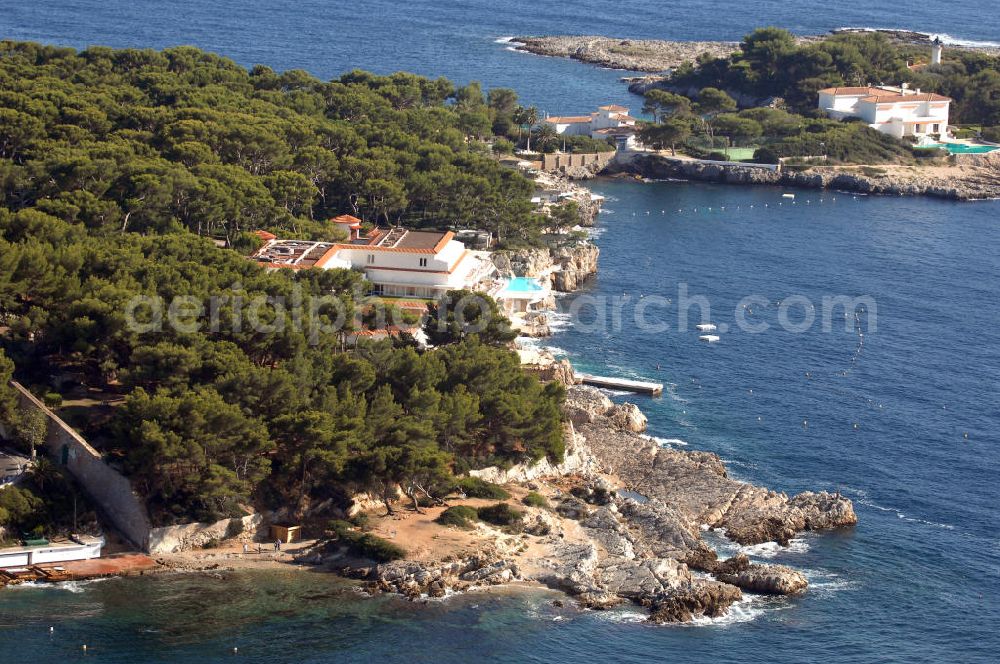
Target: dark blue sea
<point x="898" y="408"/>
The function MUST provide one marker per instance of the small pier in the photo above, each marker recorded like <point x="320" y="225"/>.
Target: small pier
<point x="638" y="386"/>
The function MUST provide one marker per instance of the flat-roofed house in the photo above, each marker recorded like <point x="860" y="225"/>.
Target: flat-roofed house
<point x="397" y="262"/>
<point x="895" y="111"/>
<point x="610" y="121"/>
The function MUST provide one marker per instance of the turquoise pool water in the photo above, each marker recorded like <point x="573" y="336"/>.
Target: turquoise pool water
<point x="524" y="285"/>
<point x="961" y="148"/>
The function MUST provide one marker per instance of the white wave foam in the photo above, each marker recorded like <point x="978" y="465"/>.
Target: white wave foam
<point x="621" y="616"/>
<point x="745" y="610"/>
<point x="505" y="40"/>
<point x="772" y="549"/>
<point x="559" y="320"/>
<point x="900" y="514"/>
<point x="665" y="442"/>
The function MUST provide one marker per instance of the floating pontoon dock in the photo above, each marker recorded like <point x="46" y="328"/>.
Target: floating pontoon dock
<point x="639" y="386"/>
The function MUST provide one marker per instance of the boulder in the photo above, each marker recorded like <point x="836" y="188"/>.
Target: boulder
<point x="627" y="416"/>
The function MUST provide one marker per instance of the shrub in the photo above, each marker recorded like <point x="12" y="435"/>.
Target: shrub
<point x="765" y="155"/>
<point x="477" y="488"/>
<point x="872" y="172"/>
<point x="234" y="528"/>
<point x="717" y="156"/>
<point x="211" y="544"/>
<point x="52" y="399"/>
<point x="366" y="545"/>
<point x="535" y="499"/>
<point x="500" y="514"/>
<point x="361" y="520"/>
<point x="460" y="515"/>
<point x="991" y="134"/>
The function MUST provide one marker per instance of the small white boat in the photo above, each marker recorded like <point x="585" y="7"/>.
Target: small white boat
<point x="710" y="338"/>
<point x="706" y="327"/>
<point x="788" y="195"/>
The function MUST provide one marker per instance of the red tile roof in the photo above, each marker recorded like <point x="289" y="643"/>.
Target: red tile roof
<point x="568" y="119"/>
<point x="265" y="236"/>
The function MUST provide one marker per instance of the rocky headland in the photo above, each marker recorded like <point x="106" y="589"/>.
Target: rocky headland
<point x="974" y="178"/>
<point x="658" y="55"/>
<point x="645" y="55"/>
<point x="624" y="524"/>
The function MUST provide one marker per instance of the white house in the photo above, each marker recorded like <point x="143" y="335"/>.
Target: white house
<point x="611" y="121"/>
<point x="895" y="111"/>
<point x="398" y="262"/>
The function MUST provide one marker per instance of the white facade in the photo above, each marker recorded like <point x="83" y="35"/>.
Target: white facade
<point x="898" y="112"/>
<point x="397" y="262"/>
<point x="610" y="121"/>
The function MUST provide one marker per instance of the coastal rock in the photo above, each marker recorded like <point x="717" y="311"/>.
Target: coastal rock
<point x="696" y="486"/>
<point x="535" y="324"/>
<point x="585" y="405"/>
<point x="627" y="416"/>
<point x="415" y="578"/>
<point x="576" y="460"/>
<point x="975" y="178"/>
<point x="576" y="264"/>
<point x="631" y="54"/>
<point x="699" y="598"/>
<point x="759" y="577"/>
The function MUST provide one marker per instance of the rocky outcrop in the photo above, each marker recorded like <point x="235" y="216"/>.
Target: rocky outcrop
<point x="759" y="577"/>
<point x="627" y="416"/>
<point x="576" y="461"/>
<point x="576" y="264"/>
<point x="980" y="179"/>
<point x="563" y="268"/>
<point x="414" y="579"/>
<point x="649" y="55"/>
<point x="535" y="324"/>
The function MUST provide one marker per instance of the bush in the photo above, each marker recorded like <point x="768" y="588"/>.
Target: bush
<point x="991" y="134"/>
<point x="474" y="487"/>
<point x="52" y="399"/>
<point x="462" y="516"/>
<point x="500" y="514"/>
<point x="366" y="545"/>
<point x="872" y="172"/>
<point x="717" y="156"/>
<point x="361" y="520"/>
<point x="765" y="155"/>
<point x="234" y="528"/>
<point x="211" y="544"/>
<point x="535" y="499"/>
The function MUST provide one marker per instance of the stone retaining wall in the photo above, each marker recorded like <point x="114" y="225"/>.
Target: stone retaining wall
<point x="108" y="488"/>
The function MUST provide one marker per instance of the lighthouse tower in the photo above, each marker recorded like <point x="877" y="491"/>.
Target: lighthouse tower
<point x="936" y="47"/>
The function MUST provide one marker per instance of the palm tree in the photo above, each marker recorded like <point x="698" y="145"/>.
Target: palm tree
<point x="526" y="116"/>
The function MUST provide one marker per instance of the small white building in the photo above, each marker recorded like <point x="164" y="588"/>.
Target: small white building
<point x="611" y="121"/>
<point x="895" y="111"/>
<point x="398" y="262"/>
<point x="80" y="548"/>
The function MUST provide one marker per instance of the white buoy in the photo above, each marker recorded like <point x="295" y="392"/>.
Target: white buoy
<point x="84" y="647"/>
<point x="235" y="650"/>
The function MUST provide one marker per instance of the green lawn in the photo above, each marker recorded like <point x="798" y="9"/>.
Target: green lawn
<point x="740" y="154"/>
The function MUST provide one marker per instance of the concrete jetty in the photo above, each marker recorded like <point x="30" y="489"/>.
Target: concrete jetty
<point x="638" y="386"/>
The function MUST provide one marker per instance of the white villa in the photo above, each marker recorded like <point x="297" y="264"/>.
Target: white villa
<point x="398" y="262"/>
<point x="610" y="121"/>
<point x="895" y="111"/>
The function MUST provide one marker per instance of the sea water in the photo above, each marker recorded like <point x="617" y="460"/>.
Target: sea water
<point x="901" y="416"/>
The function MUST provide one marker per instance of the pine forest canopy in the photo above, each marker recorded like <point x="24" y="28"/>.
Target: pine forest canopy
<point x="116" y="169"/>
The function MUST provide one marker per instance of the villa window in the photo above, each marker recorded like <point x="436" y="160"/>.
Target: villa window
<point x="371" y="258"/>
<point x="916" y="129"/>
<point x="937" y="128"/>
<point x="423" y="262"/>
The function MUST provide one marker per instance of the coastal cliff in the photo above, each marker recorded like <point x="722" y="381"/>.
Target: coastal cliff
<point x="978" y="178"/>
<point x="563" y="268"/>
<point x="624" y="524"/>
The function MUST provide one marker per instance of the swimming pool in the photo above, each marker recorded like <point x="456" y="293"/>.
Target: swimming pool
<point x="524" y="285"/>
<point x="960" y="148"/>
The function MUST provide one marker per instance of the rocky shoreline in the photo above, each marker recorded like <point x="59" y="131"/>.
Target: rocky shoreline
<point x="978" y="178"/>
<point x="658" y="55"/>
<point x="624" y="525"/>
<point x="643" y="55"/>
